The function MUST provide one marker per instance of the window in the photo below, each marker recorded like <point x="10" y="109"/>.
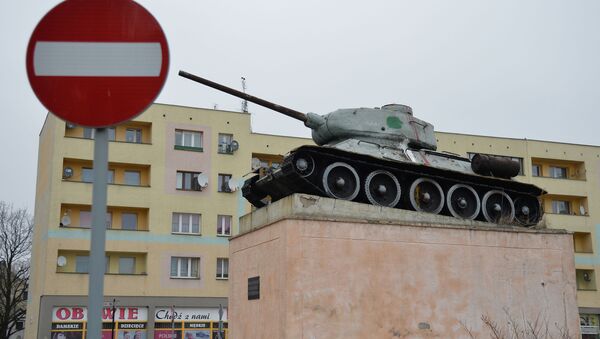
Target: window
<point x="516" y="159"/>
<point x="89" y="133"/>
<point x="85" y="219"/>
<point x="188" y="140"/>
<point x="224" y="225"/>
<point x="132" y="178"/>
<point x="133" y="135"/>
<point x="184" y="267"/>
<point x="82" y="263"/>
<point x="129" y="221"/>
<point x="222" y="268"/>
<point x="561" y="207"/>
<point x="185" y="223"/>
<point x="223" y="182"/>
<point x="127" y="265"/>
<point x="188" y="181"/>
<point x="87" y="175"/>
<point x="558" y="172"/>
<point x="225" y="143"/>
<point x="536" y="170"/>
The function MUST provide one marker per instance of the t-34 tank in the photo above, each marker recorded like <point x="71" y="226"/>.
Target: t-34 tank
<point x="385" y="156"/>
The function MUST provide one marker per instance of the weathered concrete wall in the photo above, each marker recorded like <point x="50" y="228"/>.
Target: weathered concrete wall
<point x="415" y="278"/>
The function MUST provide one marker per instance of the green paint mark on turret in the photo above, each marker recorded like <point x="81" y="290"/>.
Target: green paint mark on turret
<point x="394" y="122"/>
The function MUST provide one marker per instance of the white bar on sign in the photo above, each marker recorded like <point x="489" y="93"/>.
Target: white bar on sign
<point x="116" y="59"/>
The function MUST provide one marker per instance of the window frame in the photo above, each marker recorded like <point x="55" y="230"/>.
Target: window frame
<point x="110" y="178"/>
<point x="137" y="135"/>
<point x="225" y="146"/>
<point x="223" y="266"/>
<point x="554" y="170"/>
<point x="194" y="186"/>
<point x="89" y="212"/>
<point x="139" y="177"/>
<point x="221" y="224"/>
<point x="123" y="214"/>
<point x="539" y="170"/>
<point x="89" y="133"/>
<point x="223" y="183"/>
<point x="182" y="137"/>
<point x="77" y="263"/>
<point x="133" y="266"/>
<point x="556" y="208"/>
<point x="190" y="264"/>
<point x="190" y="216"/>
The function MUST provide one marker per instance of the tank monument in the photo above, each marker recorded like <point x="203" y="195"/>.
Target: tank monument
<point x="374" y="233"/>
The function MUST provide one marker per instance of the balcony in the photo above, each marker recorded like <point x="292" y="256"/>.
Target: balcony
<point x="558" y="169"/>
<point x="117" y="263"/>
<point x="136" y="132"/>
<point x="562" y="186"/>
<point x="574" y="223"/>
<point x="117" y="218"/>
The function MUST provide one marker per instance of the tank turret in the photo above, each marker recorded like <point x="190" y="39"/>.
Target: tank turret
<point x="385" y="156"/>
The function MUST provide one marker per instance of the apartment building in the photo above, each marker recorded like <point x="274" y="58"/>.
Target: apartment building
<point x="173" y="202"/>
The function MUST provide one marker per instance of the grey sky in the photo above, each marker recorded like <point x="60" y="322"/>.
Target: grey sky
<point x="512" y="68"/>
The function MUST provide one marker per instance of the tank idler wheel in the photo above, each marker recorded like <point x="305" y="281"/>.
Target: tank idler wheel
<point x="304" y="164"/>
<point x="382" y="188"/>
<point x="463" y="202"/>
<point x="426" y="195"/>
<point x="498" y="207"/>
<point x="341" y="181"/>
<point x="527" y="210"/>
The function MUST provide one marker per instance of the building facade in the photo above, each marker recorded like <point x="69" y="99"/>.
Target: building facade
<point x="174" y="201"/>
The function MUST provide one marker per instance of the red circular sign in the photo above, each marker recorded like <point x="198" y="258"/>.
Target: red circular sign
<point x="97" y="63"/>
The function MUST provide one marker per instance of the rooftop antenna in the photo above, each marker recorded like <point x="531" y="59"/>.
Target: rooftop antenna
<point x="244" y="102"/>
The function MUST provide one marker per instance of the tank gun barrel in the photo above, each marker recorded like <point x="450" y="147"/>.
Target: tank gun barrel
<point x="278" y="108"/>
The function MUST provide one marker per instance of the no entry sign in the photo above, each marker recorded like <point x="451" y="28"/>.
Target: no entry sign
<point x="97" y="63"/>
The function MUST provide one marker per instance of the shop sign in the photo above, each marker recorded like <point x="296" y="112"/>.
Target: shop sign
<point x="189" y="314"/>
<point x="79" y="313"/>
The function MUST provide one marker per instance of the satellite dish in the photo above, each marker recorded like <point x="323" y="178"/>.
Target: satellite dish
<point x="61" y="261"/>
<point x="233" y="184"/>
<point x="235" y="145"/>
<point x="255" y="164"/>
<point x="66" y="220"/>
<point x="202" y="180"/>
<point x="67" y="172"/>
<point x="70" y="125"/>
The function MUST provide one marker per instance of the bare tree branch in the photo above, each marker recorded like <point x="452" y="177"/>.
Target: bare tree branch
<point x="16" y="229"/>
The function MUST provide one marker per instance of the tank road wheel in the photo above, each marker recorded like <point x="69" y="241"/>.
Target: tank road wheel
<point x="498" y="207"/>
<point x="341" y="181"/>
<point x="463" y="202"/>
<point x="382" y="188"/>
<point x="527" y="210"/>
<point x="426" y="195"/>
<point x="304" y="164"/>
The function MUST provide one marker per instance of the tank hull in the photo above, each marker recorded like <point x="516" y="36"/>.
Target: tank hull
<point x="331" y="172"/>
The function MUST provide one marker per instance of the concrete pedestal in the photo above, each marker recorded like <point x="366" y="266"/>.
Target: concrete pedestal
<point x="336" y="269"/>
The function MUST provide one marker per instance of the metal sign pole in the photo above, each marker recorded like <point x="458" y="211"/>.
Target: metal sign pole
<point x="97" y="263"/>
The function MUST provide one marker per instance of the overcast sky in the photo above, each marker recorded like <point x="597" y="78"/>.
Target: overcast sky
<point x="510" y="68"/>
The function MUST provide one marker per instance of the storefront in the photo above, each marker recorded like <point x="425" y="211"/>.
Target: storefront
<point x="70" y="322"/>
<point x="189" y="323"/>
<point x="590" y="326"/>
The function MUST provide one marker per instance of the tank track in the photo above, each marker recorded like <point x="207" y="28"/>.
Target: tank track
<point x="330" y="172"/>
